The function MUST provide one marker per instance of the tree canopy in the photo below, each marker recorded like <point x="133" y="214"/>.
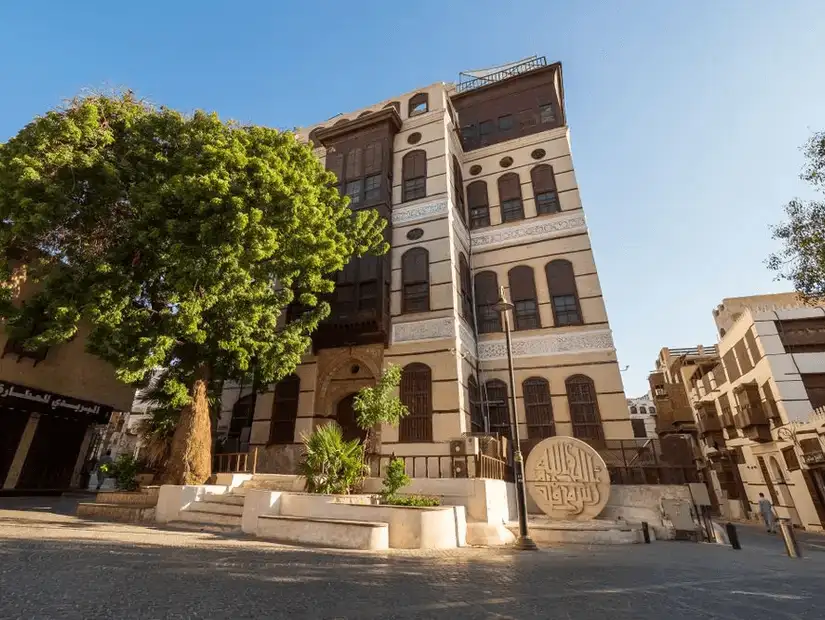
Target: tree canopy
<point x="179" y="239"/>
<point x="801" y="257"/>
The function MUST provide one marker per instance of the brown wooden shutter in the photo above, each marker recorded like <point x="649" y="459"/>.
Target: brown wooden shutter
<point x="522" y="284"/>
<point x="498" y="407"/>
<point x="416" y="394"/>
<point x="335" y="164"/>
<point x="373" y="156"/>
<point x="815" y="387"/>
<point x="486" y="285"/>
<point x="415" y="277"/>
<point x="543" y="179"/>
<point x="584" y="408"/>
<point x="561" y="280"/>
<point x="742" y="354"/>
<point x="477" y="194"/>
<point x="354" y="164"/>
<point x="476" y="414"/>
<point x="509" y="187"/>
<point x="719" y="375"/>
<point x="284" y="410"/>
<point x="538" y="408"/>
<point x="756" y="355"/>
<point x="465" y="283"/>
<point x="731" y="367"/>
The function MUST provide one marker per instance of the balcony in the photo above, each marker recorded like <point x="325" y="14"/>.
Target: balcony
<point x="727" y="419"/>
<point x="709" y="423"/>
<point x="753" y="422"/>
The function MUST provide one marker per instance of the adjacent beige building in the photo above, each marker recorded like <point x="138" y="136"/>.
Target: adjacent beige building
<point x="477" y="182"/>
<point x="757" y="401"/>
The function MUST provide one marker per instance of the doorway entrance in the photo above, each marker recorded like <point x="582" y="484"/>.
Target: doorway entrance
<point x="345" y="416"/>
<point x="53" y="453"/>
<point x="12" y="423"/>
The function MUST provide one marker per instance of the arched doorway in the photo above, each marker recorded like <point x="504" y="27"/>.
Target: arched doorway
<point x="345" y="416"/>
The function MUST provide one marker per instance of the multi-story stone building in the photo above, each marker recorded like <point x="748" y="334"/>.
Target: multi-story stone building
<point x="642" y="416"/>
<point x="477" y="183"/>
<point x="757" y="404"/>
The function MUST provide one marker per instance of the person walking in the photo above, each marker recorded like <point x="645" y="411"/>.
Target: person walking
<point x="766" y="508"/>
<point x="104" y="467"/>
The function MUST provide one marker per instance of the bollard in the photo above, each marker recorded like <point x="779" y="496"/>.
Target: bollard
<point x="646" y="532"/>
<point x="733" y="536"/>
<point x="788" y="535"/>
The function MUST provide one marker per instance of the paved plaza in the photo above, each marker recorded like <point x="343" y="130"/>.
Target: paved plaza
<point x="53" y="565"/>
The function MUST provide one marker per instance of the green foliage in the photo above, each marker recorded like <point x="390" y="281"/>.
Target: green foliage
<point x="379" y="404"/>
<point x="412" y="500"/>
<point x="330" y="464"/>
<point x="801" y="257"/>
<point x="395" y="478"/>
<point x="167" y="234"/>
<point x="125" y="470"/>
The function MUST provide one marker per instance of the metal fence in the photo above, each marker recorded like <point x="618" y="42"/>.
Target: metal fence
<point x="446" y="466"/>
<point x="235" y="462"/>
<point x="650" y="461"/>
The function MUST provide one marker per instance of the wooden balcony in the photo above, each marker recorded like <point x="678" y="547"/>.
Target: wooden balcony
<point x="754" y="422"/>
<point x="727" y="419"/>
<point x="709" y="423"/>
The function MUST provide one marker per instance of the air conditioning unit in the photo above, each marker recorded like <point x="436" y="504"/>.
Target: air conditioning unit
<point x="466" y="446"/>
<point x="460" y="468"/>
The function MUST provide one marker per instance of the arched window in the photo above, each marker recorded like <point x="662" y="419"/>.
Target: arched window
<point x="417" y="395"/>
<point x="476" y="415"/>
<point x="538" y="409"/>
<point x="418" y="104"/>
<point x="489" y="319"/>
<point x="458" y="189"/>
<point x="414" y="175"/>
<point x="284" y="410"/>
<point x="633" y="410"/>
<point x="509" y="196"/>
<point x="643" y="410"/>
<point x="652" y="410"/>
<point x="544" y="189"/>
<point x="243" y="412"/>
<point x="415" y="281"/>
<point x="584" y="408"/>
<point x="564" y="298"/>
<point x="498" y="408"/>
<point x="523" y="296"/>
<point x="478" y="204"/>
<point x="466" y="288"/>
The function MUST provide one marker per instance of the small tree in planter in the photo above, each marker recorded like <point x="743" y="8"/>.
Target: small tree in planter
<point x="379" y="405"/>
<point x="331" y="464"/>
<point x="395" y="479"/>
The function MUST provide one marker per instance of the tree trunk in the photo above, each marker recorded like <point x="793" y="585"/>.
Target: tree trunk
<point x="190" y="459"/>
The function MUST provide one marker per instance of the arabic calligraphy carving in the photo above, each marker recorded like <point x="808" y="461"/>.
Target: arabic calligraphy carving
<point x="430" y="329"/>
<point x="405" y="215"/>
<point x="547" y="229"/>
<point x="549" y="344"/>
<point x="567" y="479"/>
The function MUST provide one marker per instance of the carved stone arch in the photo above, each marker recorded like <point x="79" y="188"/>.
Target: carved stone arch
<point x="328" y="394"/>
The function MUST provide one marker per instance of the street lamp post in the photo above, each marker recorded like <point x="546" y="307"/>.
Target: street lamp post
<point x="524" y="541"/>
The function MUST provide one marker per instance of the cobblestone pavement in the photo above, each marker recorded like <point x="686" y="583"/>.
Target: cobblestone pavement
<point x="53" y="565"/>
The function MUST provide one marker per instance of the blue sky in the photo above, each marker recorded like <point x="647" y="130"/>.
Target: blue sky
<point x="686" y="117"/>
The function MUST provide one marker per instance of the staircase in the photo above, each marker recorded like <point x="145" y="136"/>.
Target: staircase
<point x="121" y="506"/>
<point x="214" y="512"/>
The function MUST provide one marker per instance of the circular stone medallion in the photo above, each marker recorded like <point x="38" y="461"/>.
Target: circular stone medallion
<point x="567" y="479"/>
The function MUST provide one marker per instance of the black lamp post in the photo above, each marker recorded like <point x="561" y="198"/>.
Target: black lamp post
<point x="524" y="541"/>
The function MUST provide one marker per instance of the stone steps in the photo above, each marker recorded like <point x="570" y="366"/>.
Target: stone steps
<point x="210" y="518"/>
<point x="127" y="497"/>
<point x="275" y="482"/>
<point x="229" y="499"/>
<point x="595" y="532"/>
<point x="123" y="513"/>
<point x="219" y="508"/>
<point x="334" y="533"/>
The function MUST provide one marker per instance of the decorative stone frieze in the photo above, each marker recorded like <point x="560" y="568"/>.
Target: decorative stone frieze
<point x="429" y="329"/>
<point x="529" y="231"/>
<point x="549" y="344"/>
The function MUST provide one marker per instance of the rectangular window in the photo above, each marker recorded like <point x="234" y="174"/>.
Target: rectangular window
<point x="353" y="190"/>
<point x="546" y="113"/>
<point x="547" y="202"/>
<point x="505" y="123"/>
<point x="526" y="314"/>
<point x="489" y="319"/>
<point x="566" y="310"/>
<point x="415" y="189"/>
<point x="815" y="387"/>
<point x="367" y="295"/>
<point x="479" y="217"/>
<point x="512" y="210"/>
<point x="372" y="188"/>
<point x="638" y="427"/>
<point x="485" y="131"/>
<point x="416" y="297"/>
<point x="469" y="134"/>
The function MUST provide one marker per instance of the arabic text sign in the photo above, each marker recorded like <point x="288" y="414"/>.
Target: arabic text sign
<point x="13" y="395"/>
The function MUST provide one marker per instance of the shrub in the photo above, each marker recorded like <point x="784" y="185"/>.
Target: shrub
<point x="412" y="500"/>
<point x="125" y="470"/>
<point x="395" y="478"/>
<point x="330" y="464"/>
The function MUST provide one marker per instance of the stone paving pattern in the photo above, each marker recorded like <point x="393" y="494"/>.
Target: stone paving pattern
<point x="53" y="565"/>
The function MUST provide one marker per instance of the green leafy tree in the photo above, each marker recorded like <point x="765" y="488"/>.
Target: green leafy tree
<point x="179" y="240"/>
<point x="395" y="478"/>
<point x="331" y="464"/>
<point x="801" y="257"/>
<point x="379" y="404"/>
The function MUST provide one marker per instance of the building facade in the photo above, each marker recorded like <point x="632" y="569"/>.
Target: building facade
<point x="642" y="412"/>
<point x="758" y="404"/>
<point x="477" y="183"/>
<point x="51" y="402"/>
